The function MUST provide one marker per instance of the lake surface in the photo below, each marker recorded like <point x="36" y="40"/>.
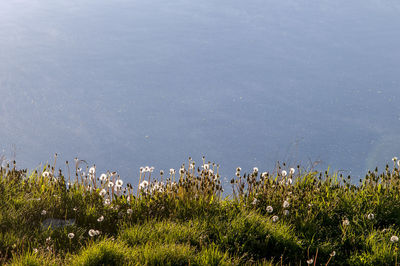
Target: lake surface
<point x="125" y="84"/>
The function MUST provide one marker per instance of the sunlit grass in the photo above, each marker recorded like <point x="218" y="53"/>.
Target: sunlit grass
<point x="289" y="216"/>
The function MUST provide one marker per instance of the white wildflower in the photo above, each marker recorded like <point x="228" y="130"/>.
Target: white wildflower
<point x="370" y="216"/>
<point x="310" y="261"/>
<point x="394" y="239"/>
<point x="206" y="166"/>
<point x="394" y="159"/>
<point x="270" y="209"/>
<point x="333" y="253"/>
<point x="110" y="184"/>
<point x="275" y="218"/>
<point x="172" y="171"/>
<point x="44" y="212"/>
<point x="284" y="173"/>
<point x="71" y="235"/>
<point x="119" y="183"/>
<point x="147" y="169"/>
<point x="291" y="171"/>
<point x="129" y="211"/>
<point x="255" y="170"/>
<point x="100" y="219"/>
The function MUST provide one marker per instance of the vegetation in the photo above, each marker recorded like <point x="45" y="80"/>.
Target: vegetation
<point x="287" y="217"/>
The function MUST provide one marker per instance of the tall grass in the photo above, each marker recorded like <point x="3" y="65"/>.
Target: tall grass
<point x="289" y="216"/>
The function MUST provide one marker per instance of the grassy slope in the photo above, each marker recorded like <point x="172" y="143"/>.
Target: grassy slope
<point x="317" y="218"/>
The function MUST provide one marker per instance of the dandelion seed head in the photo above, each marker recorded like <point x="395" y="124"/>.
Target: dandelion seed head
<point x="110" y="184"/>
<point x="310" y="261"/>
<point x="346" y="222"/>
<point x="254" y="201"/>
<point x="35" y="250"/>
<point x="206" y="166"/>
<point x="286" y="212"/>
<point x="119" y="183"/>
<point x="143" y="184"/>
<point x="255" y="170"/>
<point x="269" y="209"/>
<point x="394" y="159"/>
<point x="71" y="235"/>
<point x="333" y="253"/>
<point x="275" y="218"/>
<point x="92" y="232"/>
<point x="92" y="170"/>
<point x="370" y="216"/>
<point x="147" y="169"/>
<point x="284" y="173"/>
<point x="103" y="177"/>
<point x="286" y="204"/>
<point x="292" y="170"/>
<point x="100" y="219"/>
<point x="394" y="239"/>
<point x="129" y="211"/>
<point x="103" y="192"/>
<point x="107" y="202"/>
<point x="44" y="212"/>
<point x="171" y="171"/>
<point x="45" y="174"/>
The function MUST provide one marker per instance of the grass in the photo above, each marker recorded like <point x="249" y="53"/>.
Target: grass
<point x="288" y="217"/>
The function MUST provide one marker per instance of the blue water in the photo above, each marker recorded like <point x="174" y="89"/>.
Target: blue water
<point x="125" y="84"/>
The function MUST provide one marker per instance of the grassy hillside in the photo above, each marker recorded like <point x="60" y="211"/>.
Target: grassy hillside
<point x="286" y="217"/>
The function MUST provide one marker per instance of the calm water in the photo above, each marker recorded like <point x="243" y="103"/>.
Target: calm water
<point x="125" y="84"/>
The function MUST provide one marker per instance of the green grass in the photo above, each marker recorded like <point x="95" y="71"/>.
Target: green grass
<point x="269" y="219"/>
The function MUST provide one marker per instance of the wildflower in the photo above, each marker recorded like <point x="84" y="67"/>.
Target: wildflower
<point x="110" y="184"/>
<point x="161" y="172"/>
<point x="45" y="174"/>
<point x="44" y="212"/>
<point x="128" y="199"/>
<point x="100" y="219"/>
<point x="103" y="177"/>
<point x="286" y="212"/>
<point x="333" y="253"/>
<point x="97" y="232"/>
<point x="151" y="169"/>
<point x="211" y="172"/>
<point x="289" y="181"/>
<point x="71" y="235"/>
<point x="172" y="171"/>
<point x="254" y="201"/>
<point x="35" y="250"/>
<point x="147" y="169"/>
<point x="103" y="192"/>
<point x="394" y="159"/>
<point x="119" y="183"/>
<point x="255" y="170"/>
<point x="107" y="202"/>
<point x="291" y="171"/>
<point x="182" y="171"/>
<point x="286" y="204"/>
<point x="206" y="166"/>
<point x="238" y="170"/>
<point x="394" y="239"/>
<point x="92" y="170"/>
<point x="48" y="239"/>
<point x="141" y="169"/>
<point x="143" y="185"/>
<point x="75" y="209"/>
<point x="270" y="209"/>
<point x="346" y="222"/>
<point x="371" y="216"/>
<point x="275" y="218"/>
<point x="310" y="261"/>
<point x="92" y="232"/>
<point x="284" y="173"/>
<point x="129" y="211"/>
<point x="264" y="174"/>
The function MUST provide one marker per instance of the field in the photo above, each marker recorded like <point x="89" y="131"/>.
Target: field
<point x="290" y="216"/>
